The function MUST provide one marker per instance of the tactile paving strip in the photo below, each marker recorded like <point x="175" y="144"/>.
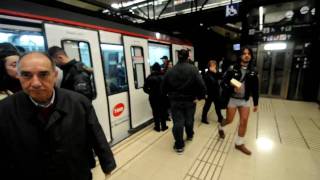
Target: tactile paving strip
<point x="209" y="163"/>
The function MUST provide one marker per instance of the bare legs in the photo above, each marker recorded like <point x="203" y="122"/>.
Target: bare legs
<point x="244" y="116"/>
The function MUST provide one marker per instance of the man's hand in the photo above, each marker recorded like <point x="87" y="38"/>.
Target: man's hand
<point x="255" y="108"/>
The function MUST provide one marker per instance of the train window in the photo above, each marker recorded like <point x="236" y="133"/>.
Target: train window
<point x="157" y="51"/>
<point x="25" y="41"/>
<point x="138" y="66"/>
<point x="114" y="67"/>
<point x="78" y="50"/>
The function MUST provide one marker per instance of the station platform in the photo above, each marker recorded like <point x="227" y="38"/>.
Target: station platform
<point x="284" y="137"/>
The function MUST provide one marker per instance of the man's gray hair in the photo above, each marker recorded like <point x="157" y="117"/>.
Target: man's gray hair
<point x="53" y="64"/>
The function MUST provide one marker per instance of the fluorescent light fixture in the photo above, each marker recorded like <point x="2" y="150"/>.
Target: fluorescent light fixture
<point x="264" y="144"/>
<point x="275" y="46"/>
<point x="260" y="18"/>
<point x="115" y="5"/>
<point x="158" y="35"/>
<point x="106" y="11"/>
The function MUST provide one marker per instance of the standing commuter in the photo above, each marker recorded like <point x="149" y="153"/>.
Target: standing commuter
<point x="9" y="82"/>
<point x="165" y="61"/>
<point x="76" y="76"/>
<point x="183" y="84"/>
<point x="241" y="81"/>
<point x="48" y="133"/>
<point x="211" y="78"/>
<point x="157" y="101"/>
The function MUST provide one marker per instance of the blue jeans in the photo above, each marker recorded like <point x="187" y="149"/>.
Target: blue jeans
<point x="182" y="116"/>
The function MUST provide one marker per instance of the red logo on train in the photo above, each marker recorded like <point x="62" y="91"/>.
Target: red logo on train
<point x="118" y="109"/>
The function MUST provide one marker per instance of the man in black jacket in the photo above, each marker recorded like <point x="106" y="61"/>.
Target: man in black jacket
<point x="211" y="78"/>
<point x="76" y="77"/>
<point x="152" y="86"/>
<point x="183" y="84"/>
<point x="48" y="133"/>
<point x="241" y="82"/>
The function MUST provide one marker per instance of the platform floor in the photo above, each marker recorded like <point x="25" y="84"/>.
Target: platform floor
<point x="284" y="137"/>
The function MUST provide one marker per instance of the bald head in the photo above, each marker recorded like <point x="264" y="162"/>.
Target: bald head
<point x="36" y="55"/>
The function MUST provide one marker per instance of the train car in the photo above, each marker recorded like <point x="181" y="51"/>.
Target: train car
<point x="120" y="56"/>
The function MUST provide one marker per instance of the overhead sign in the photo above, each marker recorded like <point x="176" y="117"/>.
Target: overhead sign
<point x="232" y="10"/>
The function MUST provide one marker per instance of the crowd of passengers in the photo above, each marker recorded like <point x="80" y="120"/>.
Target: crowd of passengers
<point x="49" y="128"/>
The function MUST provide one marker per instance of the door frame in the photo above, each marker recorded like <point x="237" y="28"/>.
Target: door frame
<point x="286" y="70"/>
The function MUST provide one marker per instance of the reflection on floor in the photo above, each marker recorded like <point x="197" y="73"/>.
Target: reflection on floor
<point x="284" y="137"/>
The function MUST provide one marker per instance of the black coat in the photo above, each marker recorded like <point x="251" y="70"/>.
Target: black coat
<point x="152" y="85"/>
<point x="212" y="83"/>
<point x="183" y="83"/>
<point x="77" y="78"/>
<point x="60" y="148"/>
<point x="250" y="79"/>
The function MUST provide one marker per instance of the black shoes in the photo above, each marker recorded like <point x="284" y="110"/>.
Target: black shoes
<point x="164" y="128"/>
<point x="189" y="138"/>
<point x="224" y="122"/>
<point x="178" y="150"/>
<point x="221" y="134"/>
<point x="205" y="122"/>
<point x="157" y="129"/>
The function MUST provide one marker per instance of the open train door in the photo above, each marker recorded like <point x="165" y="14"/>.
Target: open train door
<point x="136" y="53"/>
<point x="83" y="45"/>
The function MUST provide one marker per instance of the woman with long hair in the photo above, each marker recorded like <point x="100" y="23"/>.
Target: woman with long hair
<point x="9" y="82"/>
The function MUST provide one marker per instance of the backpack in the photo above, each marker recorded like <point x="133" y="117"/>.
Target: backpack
<point x="84" y="81"/>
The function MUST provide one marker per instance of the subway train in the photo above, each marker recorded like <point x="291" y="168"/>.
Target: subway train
<point x="120" y="56"/>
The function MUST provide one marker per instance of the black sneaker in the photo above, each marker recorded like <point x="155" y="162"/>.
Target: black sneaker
<point x="221" y="134"/>
<point x="157" y="129"/>
<point x="164" y="128"/>
<point x="224" y="122"/>
<point x="205" y="122"/>
<point x="189" y="138"/>
<point x="178" y="150"/>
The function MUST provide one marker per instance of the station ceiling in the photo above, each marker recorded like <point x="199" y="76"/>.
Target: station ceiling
<point x="181" y="18"/>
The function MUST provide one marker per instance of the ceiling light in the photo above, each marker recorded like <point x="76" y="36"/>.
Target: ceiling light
<point x="158" y="35"/>
<point x="201" y="24"/>
<point x="304" y="10"/>
<point x="115" y="5"/>
<point x="289" y="14"/>
<point x="275" y="46"/>
<point x="106" y="11"/>
<point x="260" y="18"/>
<point x="313" y="11"/>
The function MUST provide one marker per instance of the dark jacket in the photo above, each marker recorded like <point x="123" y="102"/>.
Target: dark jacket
<point x="152" y="85"/>
<point x="60" y="148"/>
<point x="212" y="83"/>
<point x="76" y="78"/>
<point x="250" y="79"/>
<point x="183" y="83"/>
